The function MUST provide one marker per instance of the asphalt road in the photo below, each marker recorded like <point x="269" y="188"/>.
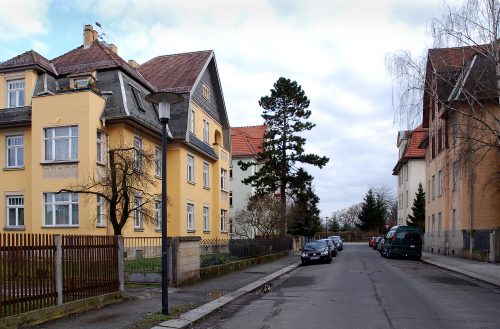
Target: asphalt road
<point x="360" y="289"/>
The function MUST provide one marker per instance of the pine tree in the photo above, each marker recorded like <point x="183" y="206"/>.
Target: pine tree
<point x="285" y="114"/>
<point x="418" y="209"/>
<point x="368" y="215"/>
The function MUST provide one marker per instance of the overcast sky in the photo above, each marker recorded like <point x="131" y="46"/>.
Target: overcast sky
<point x="335" y="49"/>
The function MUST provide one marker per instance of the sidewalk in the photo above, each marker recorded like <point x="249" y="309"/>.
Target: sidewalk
<point x="142" y="300"/>
<point x="487" y="272"/>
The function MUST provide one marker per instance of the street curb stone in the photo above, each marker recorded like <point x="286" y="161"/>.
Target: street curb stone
<point x="186" y="319"/>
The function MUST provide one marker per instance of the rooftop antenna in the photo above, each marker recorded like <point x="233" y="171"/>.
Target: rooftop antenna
<point x="102" y="35"/>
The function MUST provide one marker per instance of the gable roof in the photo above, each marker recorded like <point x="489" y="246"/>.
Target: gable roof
<point x="27" y="59"/>
<point x="247" y="141"/>
<point x="97" y="56"/>
<point x="412" y="150"/>
<point x="177" y="72"/>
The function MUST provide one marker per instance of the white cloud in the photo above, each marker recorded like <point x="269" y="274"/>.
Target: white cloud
<point x="22" y="19"/>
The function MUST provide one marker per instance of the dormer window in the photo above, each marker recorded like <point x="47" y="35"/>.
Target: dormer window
<point x="137" y="97"/>
<point x="15" y="93"/>
<point x="81" y="83"/>
<point x="206" y="92"/>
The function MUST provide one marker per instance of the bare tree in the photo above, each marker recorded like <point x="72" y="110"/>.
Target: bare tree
<point x="125" y="183"/>
<point x="348" y="217"/>
<point x="260" y="218"/>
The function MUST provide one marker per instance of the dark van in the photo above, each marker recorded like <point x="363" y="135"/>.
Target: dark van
<point x="404" y="241"/>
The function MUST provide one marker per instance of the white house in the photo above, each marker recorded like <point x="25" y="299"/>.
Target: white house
<point x="410" y="170"/>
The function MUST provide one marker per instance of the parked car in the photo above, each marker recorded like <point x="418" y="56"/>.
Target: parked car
<point x="332" y="246"/>
<point x="380" y="245"/>
<point x="372" y="241"/>
<point x="377" y="242"/>
<point x="404" y="241"/>
<point x="315" y="251"/>
<point x="337" y="240"/>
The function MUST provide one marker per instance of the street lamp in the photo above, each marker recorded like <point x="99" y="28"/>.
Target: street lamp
<point x="164" y="100"/>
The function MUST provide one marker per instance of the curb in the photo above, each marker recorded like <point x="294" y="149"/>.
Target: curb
<point x="187" y="319"/>
<point x="456" y="270"/>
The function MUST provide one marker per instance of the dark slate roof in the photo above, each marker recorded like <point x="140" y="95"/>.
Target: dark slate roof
<point x="176" y="73"/>
<point x="202" y="147"/>
<point x="97" y="56"/>
<point x="28" y="59"/>
<point x="16" y="116"/>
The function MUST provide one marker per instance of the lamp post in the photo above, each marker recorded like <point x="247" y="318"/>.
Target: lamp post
<point x="164" y="100"/>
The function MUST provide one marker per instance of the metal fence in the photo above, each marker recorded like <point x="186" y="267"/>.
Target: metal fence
<point x="42" y="270"/>
<point x="245" y="248"/>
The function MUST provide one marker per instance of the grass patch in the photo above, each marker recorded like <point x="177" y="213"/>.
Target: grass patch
<point x="152" y="264"/>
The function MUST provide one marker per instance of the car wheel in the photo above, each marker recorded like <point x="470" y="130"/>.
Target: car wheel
<point x="330" y="260"/>
<point x="304" y="262"/>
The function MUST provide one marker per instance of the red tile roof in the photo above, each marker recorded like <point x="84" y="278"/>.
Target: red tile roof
<point x="28" y="58"/>
<point x="179" y="71"/>
<point x="451" y="59"/>
<point x="416" y="137"/>
<point x="247" y="141"/>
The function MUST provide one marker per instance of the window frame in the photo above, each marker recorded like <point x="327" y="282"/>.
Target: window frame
<point x="206" y="175"/>
<point x="52" y="139"/>
<point x="223" y="220"/>
<point x="138" y="153"/>
<point x="433" y="187"/>
<point x="158" y="214"/>
<point x="192" y="122"/>
<point x="190" y="225"/>
<point x="138" y="222"/>
<point x="53" y="204"/>
<point x="223" y="179"/>
<point x="17" y="92"/>
<point x="190" y="169"/>
<point x="206" y="218"/>
<point x="440" y="183"/>
<point x="100" y="212"/>
<point x="16" y="154"/>
<point x="101" y="139"/>
<point x="206" y="92"/>
<point x="454" y="175"/>
<point x="206" y="131"/>
<point x="157" y="162"/>
<point x="17" y="209"/>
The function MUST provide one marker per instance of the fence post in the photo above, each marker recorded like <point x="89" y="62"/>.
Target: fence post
<point x="59" y="274"/>
<point x="121" y="265"/>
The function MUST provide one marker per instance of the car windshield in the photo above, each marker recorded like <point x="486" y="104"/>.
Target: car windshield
<point x="313" y="245"/>
<point x="335" y="238"/>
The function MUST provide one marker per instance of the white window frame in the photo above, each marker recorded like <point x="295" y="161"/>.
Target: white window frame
<point x="190" y="168"/>
<point x="206" y="92"/>
<point x="137" y="153"/>
<point x="17" y="91"/>
<point x="157" y="162"/>
<point x="223" y="180"/>
<point x="100" y="147"/>
<point x="192" y="121"/>
<point x="206" y="175"/>
<point x="138" y="224"/>
<point x="100" y="212"/>
<point x="223" y="220"/>
<point x="190" y="216"/>
<point x="50" y="203"/>
<point x="16" y="148"/>
<point x="50" y="140"/>
<point x="206" y="131"/>
<point x="81" y="83"/>
<point x="206" y="218"/>
<point x="18" y="210"/>
<point x="158" y="214"/>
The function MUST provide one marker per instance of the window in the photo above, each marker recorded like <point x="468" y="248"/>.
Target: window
<point x="433" y="187"/>
<point x="137" y="97"/>
<point x="206" y="131"/>
<point x="231" y="173"/>
<point x="206" y="92"/>
<point x="439" y="224"/>
<point x="206" y="219"/>
<point x="433" y="146"/>
<point x="15" y="93"/>
<point x="407" y="199"/>
<point x="206" y="175"/>
<point x="223" y="178"/>
<point x="428" y="189"/>
<point x="190" y="217"/>
<point x="157" y="162"/>
<point x="190" y="169"/>
<point x="100" y="220"/>
<point x="191" y="122"/>
<point x="230" y="198"/>
<point x="61" y="144"/>
<point x="101" y="149"/>
<point x="440" y="183"/>
<point x="433" y="224"/>
<point x="81" y="83"/>
<point x="158" y="214"/>
<point x="454" y="173"/>
<point x="61" y="209"/>
<point x="137" y="153"/>
<point x="15" y="211"/>
<point x="137" y="212"/>
<point x="223" y="220"/>
<point x="440" y="139"/>
<point x="407" y="168"/>
<point x="15" y="151"/>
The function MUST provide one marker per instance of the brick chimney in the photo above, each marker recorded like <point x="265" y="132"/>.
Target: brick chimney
<point x="113" y="48"/>
<point x="133" y="64"/>
<point x="89" y="36"/>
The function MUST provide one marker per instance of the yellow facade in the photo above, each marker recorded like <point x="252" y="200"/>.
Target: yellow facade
<point x="83" y="109"/>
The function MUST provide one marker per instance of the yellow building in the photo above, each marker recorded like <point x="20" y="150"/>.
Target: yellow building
<point x="58" y="119"/>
